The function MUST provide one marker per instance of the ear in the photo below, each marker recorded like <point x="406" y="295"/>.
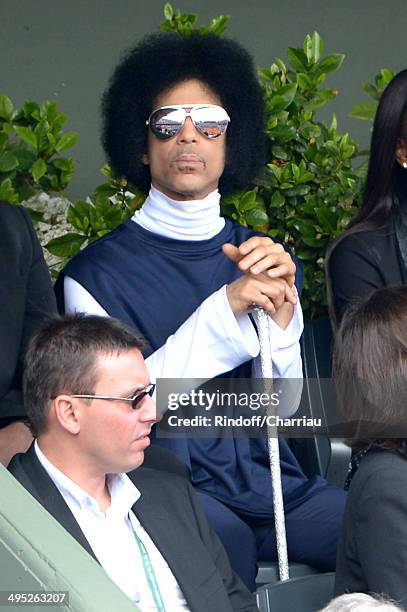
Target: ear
<point x="67" y="413"/>
<point x="145" y="159"/>
<point x="401" y="151"/>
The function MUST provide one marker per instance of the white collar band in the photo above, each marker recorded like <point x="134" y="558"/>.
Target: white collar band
<point x="181" y="219"/>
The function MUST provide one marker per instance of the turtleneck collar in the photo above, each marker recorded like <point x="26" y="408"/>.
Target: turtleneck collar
<point x="181" y="219"/>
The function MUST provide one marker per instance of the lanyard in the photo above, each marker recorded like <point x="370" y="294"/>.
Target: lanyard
<point x="149" y="572"/>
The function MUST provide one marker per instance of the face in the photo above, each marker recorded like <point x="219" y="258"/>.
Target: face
<point x="113" y="435"/>
<point x="189" y="165"/>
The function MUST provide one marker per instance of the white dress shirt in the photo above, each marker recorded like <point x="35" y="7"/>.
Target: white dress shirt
<point x="112" y="539"/>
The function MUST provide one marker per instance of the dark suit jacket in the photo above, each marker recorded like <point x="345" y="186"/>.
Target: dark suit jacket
<point x="372" y="549"/>
<point x="362" y="262"/>
<point x="26" y="299"/>
<point x="171" y="515"/>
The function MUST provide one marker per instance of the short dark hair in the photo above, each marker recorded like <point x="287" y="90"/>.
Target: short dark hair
<point x="162" y="60"/>
<point x="61" y="358"/>
<point x="370" y="368"/>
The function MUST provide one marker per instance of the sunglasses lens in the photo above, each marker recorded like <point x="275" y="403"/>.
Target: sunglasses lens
<point x="149" y="390"/>
<point x="211" y="121"/>
<point x="167" y="122"/>
<point x="135" y="403"/>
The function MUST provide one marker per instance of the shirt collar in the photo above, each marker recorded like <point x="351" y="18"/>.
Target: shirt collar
<point x="181" y="219"/>
<point x="124" y="493"/>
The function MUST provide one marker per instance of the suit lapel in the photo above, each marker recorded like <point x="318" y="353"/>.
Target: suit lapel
<point x="39" y="484"/>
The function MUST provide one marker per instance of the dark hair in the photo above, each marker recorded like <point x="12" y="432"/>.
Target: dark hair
<point x="62" y="356"/>
<point x="370" y="369"/>
<point x="385" y="176"/>
<point x="162" y="60"/>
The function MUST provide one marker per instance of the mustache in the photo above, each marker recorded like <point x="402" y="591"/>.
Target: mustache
<point x="187" y="152"/>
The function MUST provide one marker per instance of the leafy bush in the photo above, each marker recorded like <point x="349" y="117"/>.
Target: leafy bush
<point x="31" y="143"/>
<point x="111" y="204"/>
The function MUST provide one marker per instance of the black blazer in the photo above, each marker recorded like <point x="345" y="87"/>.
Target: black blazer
<point x="26" y="299"/>
<point x="171" y="514"/>
<point x="372" y="548"/>
<point x="362" y="262"/>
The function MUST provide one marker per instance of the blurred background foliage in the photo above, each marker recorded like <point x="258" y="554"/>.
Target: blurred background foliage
<point x="305" y="195"/>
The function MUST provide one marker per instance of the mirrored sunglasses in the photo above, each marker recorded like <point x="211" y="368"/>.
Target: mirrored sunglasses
<point x="210" y="120"/>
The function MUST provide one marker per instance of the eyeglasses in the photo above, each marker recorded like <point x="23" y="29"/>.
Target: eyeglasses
<point x="135" y="399"/>
<point x="210" y="120"/>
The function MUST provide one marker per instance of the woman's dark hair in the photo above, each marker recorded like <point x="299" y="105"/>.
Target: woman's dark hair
<point x="370" y="369"/>
<point x="159" y="62"/>
<point x="62" y="358"/>
<point x="386" y="179"/>
<point x="385" y="175"/>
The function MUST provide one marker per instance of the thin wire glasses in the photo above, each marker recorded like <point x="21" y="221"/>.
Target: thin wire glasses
<point x="135" y="399"/>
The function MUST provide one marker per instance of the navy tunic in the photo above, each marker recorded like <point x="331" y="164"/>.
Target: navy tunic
<point x="154" y="284"/>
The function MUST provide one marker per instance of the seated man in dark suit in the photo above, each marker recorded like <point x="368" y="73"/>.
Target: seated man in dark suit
<point x="89" y="400"/>
<point x="27" y="299"/>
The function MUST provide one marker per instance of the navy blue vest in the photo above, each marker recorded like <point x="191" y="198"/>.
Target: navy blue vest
<point x="154" y="284"/>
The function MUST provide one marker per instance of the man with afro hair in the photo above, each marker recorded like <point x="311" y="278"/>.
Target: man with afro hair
<point x="183" y="118"/>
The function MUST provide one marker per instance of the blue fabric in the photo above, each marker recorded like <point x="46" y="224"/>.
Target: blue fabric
<point x="154" y="284"/>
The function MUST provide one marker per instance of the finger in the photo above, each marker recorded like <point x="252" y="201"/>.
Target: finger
<point x="272" y="261"/>
<point x="291" y="295"/>
<point x="275" y="292"/>
<point x="248" y="245"/>
<point x="232" y="252"/>
<point x="285" y="270"/>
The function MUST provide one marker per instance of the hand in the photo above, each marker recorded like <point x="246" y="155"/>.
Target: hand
<point x="259" y="255"/>
<point x="14" y="438"/>
<point x="249" y="291"/>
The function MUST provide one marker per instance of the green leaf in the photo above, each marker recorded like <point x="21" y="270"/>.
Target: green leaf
<point x="27" y="135"/>
<point x="364" y="110"/>
<point x="256" y="217"/>
<point x="8" y="162"/>
<point x="168" y="11"/>
<point x="78" y="215"/>
<point x="297" y="59"/>
<point x="304" y="81"/>
<point x="283" y="97"/>
<point x="277" y="199"/>
<point x="317" y="47"/>
<point x="66" y="246"/>
<point x="247" y="201"/>
<point x="25" y="159"/>
<point x="330" y="63"/>
<point x="327" y="219"/>
<point x="66" y="141"/>
<point x="371" y="90"/>
<point x="38" y="169"/>
<point x="62" y="163"/>
<point x="218" y="25"/>
<point x="7" y="192"/>
<point x="6" y="107"/>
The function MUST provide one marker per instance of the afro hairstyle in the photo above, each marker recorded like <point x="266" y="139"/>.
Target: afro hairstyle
<point x="159" y="62"/>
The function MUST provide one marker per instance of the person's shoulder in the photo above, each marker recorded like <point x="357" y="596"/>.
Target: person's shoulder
<point x="12" y="214"/>
<point x="380" y="470"/>
<point x="360" y="241"/>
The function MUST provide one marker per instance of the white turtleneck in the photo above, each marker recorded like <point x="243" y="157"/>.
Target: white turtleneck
<point x="212" y="340"/>
<point x="181" y="219"/>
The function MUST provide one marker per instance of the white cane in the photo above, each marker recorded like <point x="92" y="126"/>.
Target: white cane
<point x="274" y="453"/>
